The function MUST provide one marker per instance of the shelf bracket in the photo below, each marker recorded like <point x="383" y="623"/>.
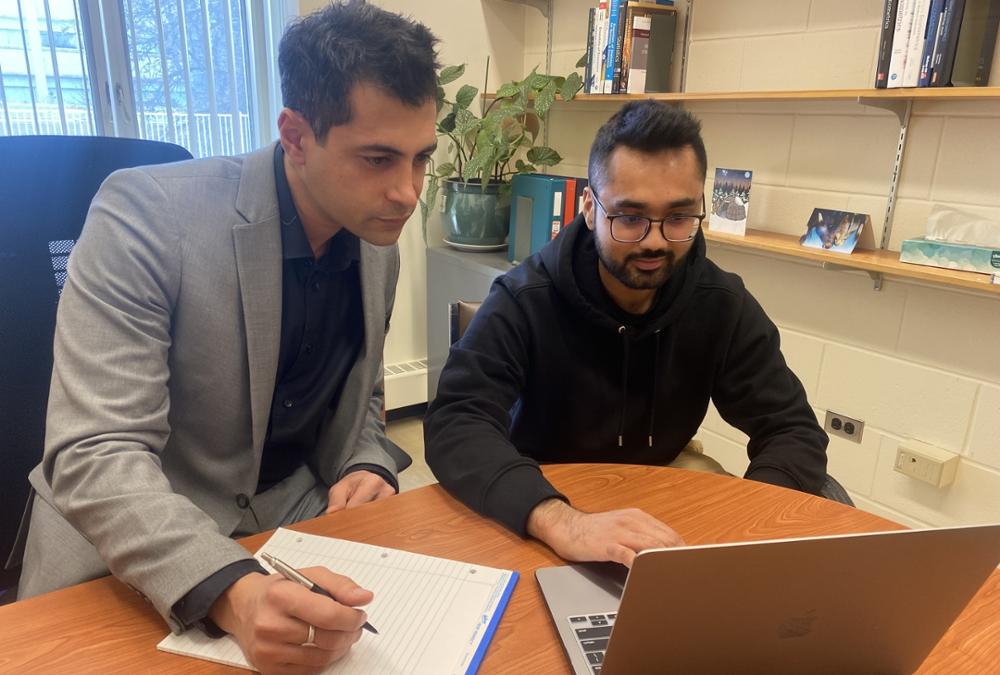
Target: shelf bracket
<point x="876" y="277"/>
<point x="902" y="108"/>
<point x="543" y="6"/>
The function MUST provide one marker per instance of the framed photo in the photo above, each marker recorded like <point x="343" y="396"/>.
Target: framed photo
<point x="837" y="231"/>
<point x="730" y="201"/>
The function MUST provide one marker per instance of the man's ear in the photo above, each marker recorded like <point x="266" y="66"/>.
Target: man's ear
<point x="588" y="209"/>
<point x="294" y="134"/>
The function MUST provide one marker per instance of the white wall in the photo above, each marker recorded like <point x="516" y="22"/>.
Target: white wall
<point x="911" y="360"/>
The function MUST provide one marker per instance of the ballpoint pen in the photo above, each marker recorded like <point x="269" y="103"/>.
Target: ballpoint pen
<point x="293" y="574"/>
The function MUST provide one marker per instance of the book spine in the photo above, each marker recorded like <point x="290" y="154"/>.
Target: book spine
<point x="600" y="39"/>
<point x="900" y="42"/>
<point x="641" y="27"/>
<point x="619" y="45"/>
<point x="588" y="73"/>
<point x="626" y="60"/>
<point x="989" y="45"/>
<point x="944" y="26"/>
<point x="609" y="47"/>
<point x="915" y="46"/>
<point x="942" y="77"/>
<point x="930" y="38"/>
<point x="885" y="44"/>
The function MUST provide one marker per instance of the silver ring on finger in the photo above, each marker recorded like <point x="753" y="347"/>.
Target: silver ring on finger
<point x="311" y="638"/>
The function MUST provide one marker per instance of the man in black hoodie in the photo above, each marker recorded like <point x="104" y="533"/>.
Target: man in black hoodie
<point x="607" y="345"/>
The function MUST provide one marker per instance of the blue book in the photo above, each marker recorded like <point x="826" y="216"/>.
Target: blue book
<point x="609" y="50"/>
<point x="934" y="18"/>
<point x="536" y="211"/>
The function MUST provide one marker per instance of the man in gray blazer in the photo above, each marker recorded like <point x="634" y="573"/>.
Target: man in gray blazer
<point x="218" y="349"/>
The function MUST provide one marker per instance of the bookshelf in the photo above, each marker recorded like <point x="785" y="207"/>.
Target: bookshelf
<point x="876" y="263"/>
<point x="861" y="95"/>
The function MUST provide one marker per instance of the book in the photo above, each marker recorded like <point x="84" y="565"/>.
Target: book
<point x="609" y="47"/>
<point x="536" y="210"/>
<point x="900" y="42"/>
<point x="930" y="39"/>
<point x="944" y="60"/>
<point x="588" y="73"/>
<point x="976" y="41"/>
<point x="434" y="615"/>
<point x="600" y="45"/>
<point x="569" y="207"/>
<point x="730" y="201"/>
<point x="620" y="44"/>
<point x="915" y="44"/>
<point x="885" y="43"/>
<point x="647" y="53"/>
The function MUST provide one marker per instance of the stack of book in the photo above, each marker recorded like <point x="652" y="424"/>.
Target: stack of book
<point x="630" y="47"/>
<point x="937" y="43"/>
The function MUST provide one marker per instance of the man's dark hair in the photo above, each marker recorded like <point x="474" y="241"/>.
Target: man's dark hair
<point x="646" y="126"/>
<point x="323" y="55"/>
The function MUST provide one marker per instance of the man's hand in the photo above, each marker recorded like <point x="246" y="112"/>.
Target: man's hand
<point x="357" y="489"/>
<point x="270" y="617"/>
<point x="611" y="535"/>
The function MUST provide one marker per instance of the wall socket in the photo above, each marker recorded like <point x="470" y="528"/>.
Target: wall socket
<point x="843" y="426"/>
<point x="926" y="463"/>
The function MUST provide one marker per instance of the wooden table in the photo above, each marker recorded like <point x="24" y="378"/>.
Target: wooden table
<point x="103" y="627"/>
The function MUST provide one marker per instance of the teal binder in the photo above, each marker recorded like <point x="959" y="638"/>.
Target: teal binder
<point x="536" y="211"/>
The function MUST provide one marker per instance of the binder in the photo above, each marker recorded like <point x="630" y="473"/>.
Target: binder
<point x="536" y="209"/>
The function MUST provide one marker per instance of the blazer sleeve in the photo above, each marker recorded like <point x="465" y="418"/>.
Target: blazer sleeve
<point x="108" y="405"/>
<point x="757" y="393"/>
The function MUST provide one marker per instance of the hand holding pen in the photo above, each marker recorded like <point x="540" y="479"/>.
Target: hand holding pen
<point x="293" y="574"/>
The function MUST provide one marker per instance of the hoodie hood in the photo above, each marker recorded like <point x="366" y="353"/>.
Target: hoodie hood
<point x="571" y="261"/>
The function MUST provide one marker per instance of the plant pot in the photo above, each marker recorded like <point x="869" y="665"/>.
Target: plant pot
<point x="474" y="216"/>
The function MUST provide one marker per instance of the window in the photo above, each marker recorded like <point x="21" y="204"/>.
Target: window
<point x="198" y="73"/>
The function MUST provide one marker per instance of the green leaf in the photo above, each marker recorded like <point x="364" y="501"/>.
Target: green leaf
<point x="544" y="100"/>
<point x="449" y="74"/>
<point x="465" y="121"/>
<point x="582" y="63"/>
<point x="543" y="156"/>
<point x="440" y="98"/>
<point x="573" y="84"/>
<point x="447" y="125"/>
<point x="537" y="81"/>
<point x="466" y="95"/>
<point x="525" y="168"/>
<point x="444" y="170"/>
<point x="508" y="90"/>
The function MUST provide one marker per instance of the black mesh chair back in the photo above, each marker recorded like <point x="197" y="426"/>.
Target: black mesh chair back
<point x="46" y="185"/>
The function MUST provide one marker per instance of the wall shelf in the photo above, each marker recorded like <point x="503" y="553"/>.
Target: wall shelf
<point x="880" y="262"/>
<point x="911" y="94"/>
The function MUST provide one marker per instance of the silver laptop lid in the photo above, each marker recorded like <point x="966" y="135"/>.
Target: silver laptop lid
<point x="861" y="603"/>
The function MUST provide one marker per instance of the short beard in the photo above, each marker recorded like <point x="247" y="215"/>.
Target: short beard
<point x="635" y="278"/>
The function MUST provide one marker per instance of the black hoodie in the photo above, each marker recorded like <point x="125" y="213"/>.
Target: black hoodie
<point x="552" y="370"/>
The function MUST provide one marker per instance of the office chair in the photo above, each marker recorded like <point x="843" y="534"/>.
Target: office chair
<point x="46" y="185"/>
<point x="461" y="313"/>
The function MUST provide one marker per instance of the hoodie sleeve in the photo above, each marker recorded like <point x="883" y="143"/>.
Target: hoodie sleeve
<point x="467" y="426"/>
<point x="757" y="393"/>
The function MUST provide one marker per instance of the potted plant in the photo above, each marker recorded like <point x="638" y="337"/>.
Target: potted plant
<point x="486" y="151"/>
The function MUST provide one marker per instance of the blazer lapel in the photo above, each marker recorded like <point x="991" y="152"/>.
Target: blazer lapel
<point x="258" y="264"/>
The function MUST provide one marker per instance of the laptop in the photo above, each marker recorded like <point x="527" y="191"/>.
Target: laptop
<point x="860" y="603"/>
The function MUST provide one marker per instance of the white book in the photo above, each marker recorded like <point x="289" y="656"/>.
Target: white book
<point x="600" y="38"/>
<point x="901" y="42"/>
<point x="915" y="45"/>
<point x="433" y="615"/>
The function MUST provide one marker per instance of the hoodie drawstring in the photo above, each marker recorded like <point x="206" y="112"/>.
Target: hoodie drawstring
<point x="656" y="377"/>
<point x="621" y="422"/>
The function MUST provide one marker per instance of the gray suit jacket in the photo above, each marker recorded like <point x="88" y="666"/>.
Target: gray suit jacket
<point x="166" y="353"/>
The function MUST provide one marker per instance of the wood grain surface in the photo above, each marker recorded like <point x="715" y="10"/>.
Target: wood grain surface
<point x="104" y="627"/>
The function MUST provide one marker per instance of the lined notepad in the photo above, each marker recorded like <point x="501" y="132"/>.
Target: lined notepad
<point x="433" y="615"/>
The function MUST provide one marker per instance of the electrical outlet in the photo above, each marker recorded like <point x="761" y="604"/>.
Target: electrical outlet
<point x="843" y="426"/>
<point x="926" y="463"/>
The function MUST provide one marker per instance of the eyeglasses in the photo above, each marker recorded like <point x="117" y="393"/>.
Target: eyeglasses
<point x="630" y="229"/>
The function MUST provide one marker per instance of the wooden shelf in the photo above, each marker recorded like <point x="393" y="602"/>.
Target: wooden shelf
<point x="879" y="262"/>
<point x="915" y="94"/>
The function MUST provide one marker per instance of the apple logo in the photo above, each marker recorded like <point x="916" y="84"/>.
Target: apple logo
<point x="797" y="626"/>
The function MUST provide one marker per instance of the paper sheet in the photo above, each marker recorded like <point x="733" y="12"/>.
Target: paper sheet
<point x="433" y="615"/>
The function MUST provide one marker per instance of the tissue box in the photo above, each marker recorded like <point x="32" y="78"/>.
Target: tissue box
<point x="950" y="256"/>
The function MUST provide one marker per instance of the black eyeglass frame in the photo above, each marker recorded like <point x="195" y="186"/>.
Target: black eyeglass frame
<point x="649" y="223"/>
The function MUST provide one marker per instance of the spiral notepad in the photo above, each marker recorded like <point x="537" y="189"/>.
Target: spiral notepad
<point x="433" y="615"/>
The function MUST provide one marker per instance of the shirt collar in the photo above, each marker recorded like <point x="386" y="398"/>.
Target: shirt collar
<point x="341" y="251"/>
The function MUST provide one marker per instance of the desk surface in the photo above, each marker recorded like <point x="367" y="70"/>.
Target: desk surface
<point x="104" y="627"/>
